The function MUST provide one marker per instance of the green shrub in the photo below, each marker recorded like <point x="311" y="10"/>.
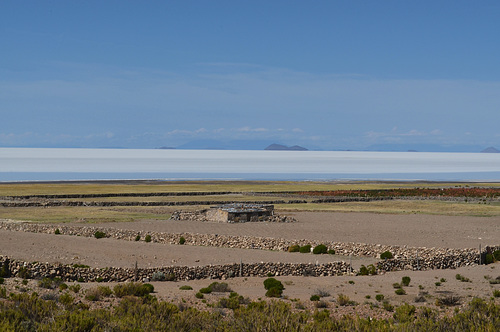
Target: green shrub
<point x="182" y="240"/>
<point x="449" y="300"/>
<point x="315" y="297"/>
<point x="220" y="287"/>
<point x="489" y="259"/>
<point x="496" y="293"/>
<point x="294" y="248"/>
<point x="405" y="281"/>
<point x="206" y="290"/>
<point x="3" y="293"/>
<point x="62" y="286"/>
<point x="320" y="249"/>
<point x="132" y="289"/>
<point x="138" y="237"/>
<point x="274" y="292"/>
<point x="274" y="287"/>
<point x="496" y="255"/>
<point x="99" y="235"/>
<point x="98" y="293"/>
<point x="331" y="251"/>
<point x="379" y="297"/>
<point x="400" y="291"/>
<point x="396" y="285"/>
<point x="363" y="271"/>
<point x="57" y="231"/>
<point x="185" y="287"/>
<point x="199" y="295"/>
<point x="386" y="255"/>
<point x="305" y="249"/>
<point x="273" y="283"/>
<point x="405" y="313"/>
<point x="147" y="238"/>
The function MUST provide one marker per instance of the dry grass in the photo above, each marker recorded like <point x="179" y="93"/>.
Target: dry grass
<point x="7" y="189"/>
<point x="402" y="207"/>
<point x="84" y="214"/>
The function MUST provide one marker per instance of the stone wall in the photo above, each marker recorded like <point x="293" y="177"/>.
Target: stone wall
<point x="38" y="270"/>
<point x="404" y="257"/>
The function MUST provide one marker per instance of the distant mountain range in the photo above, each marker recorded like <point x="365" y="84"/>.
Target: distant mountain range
<point x="209" y="144"/>
<point x="279" y="147"/>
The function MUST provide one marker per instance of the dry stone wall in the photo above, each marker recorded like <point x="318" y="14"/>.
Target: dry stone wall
<point x="405" y="258"/>
<point x="38" y="270"/>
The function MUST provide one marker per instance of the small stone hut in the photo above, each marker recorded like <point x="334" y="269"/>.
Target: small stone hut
<point x="240" y="212"/>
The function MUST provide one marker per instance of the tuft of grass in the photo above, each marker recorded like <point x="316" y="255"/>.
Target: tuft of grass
<point x="462" y="278"/>
<point x="185" y="287"/>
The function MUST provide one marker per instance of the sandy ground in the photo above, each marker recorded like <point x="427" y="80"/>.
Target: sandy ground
<point x="412" y="230"/>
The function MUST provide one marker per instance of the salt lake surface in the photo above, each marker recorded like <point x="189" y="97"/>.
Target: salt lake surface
<point x="27" y="164"/>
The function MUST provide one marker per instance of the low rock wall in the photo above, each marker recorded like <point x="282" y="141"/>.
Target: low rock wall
<point x="38" y="270"/>
<point x="420" y="258"/>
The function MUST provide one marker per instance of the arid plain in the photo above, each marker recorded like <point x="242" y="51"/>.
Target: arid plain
<point x="427" y="223"/>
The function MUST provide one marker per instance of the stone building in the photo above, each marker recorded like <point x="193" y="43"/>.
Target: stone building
<point x="239" y="212"/>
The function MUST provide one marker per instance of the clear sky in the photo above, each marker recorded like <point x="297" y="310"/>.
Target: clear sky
<point x="321" y="74"/>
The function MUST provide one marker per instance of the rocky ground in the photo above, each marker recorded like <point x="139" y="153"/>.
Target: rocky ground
<point x="411" y="230"/>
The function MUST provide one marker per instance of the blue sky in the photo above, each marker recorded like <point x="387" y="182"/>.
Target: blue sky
<point x="321" y="74"/>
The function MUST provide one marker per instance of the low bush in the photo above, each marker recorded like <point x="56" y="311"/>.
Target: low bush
<point x="98" y="293"/>
<point x="158" y="276"/>
<point x="315" y="297"/>
<point x="199" y="295"/>
<point x="379" y="297"/>
<point x="386" y="255"/>
<point x="138" y="238"/>
<point x="496" y="293"/>
<point x="449" y="300"/>
<point x="1" y="280"/>
<point x="294" y="248"/>
<point x="274" y="287"/>
<point x="405" y="313"/>
<point x="343" y="300"/>
<point x="75" y="288"/>
<point x="205" y="290"/>
<point x="321" y="304"/>
<point x="496" y="255"/>
<point x="57" y="231"/>
<point x="147" y="238"/>
<point x="331" y="251"/>
<point x="185" y="287"/>
<point x="305" y="249"/>
<point x="220" y="287"/>
<point x="99" y="235"/>
<point x="320" y="249"/>
<point x="50" y="283"/>
<point x="400" y="291"/>
<point x="132" y="289"/>
<point x="405" y="281"/>
<point x="182" y="240"/>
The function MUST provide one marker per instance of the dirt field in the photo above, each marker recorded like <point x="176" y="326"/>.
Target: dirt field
<point x="411" y="230"/>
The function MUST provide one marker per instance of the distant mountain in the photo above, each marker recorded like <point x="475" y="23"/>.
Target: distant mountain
<point x="279" y="147"/>
<point x="490" y="150"/>
<point x="423" y="148"/>
<point x="210" y="144"/>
